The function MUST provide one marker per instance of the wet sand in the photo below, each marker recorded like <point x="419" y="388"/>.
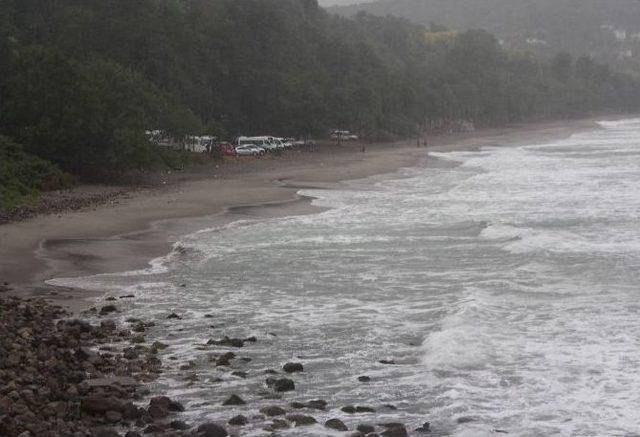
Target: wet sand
<point x="128" y="233"/>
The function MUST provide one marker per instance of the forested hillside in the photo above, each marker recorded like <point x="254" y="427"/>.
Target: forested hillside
<point x="607" y="30"/>
<point x="81" y="80"/>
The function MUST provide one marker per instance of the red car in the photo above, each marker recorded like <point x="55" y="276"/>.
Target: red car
<point x="228" y="149"/>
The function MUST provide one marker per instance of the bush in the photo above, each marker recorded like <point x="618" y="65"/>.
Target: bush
<point x="23" y="177"/>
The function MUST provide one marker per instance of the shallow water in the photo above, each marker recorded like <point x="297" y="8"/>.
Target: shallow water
<point x="505" y="288"/>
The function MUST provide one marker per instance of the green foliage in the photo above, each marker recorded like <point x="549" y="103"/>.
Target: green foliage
<point x="89" y="117"/>
<point x="23" y="176"/>
<point x="544" y="27"/>
<point x="81" y="81"/>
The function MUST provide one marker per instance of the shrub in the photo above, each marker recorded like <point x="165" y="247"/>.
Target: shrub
<point x="23" y="176"/>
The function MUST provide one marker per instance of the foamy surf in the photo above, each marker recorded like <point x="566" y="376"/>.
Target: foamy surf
<point x="504" y="290"/>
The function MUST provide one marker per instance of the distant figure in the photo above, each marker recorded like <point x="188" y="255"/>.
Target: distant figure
<point x="363" y="148"/>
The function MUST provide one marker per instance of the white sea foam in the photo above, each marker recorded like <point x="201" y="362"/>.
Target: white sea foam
<point x="505" y="289"/>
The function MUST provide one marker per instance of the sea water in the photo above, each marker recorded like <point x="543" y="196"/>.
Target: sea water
<point x="503" y="283"/>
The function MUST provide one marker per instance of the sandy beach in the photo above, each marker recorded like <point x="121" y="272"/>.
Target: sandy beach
<point x="128" y="232"/>
<point x="343" y="321"/>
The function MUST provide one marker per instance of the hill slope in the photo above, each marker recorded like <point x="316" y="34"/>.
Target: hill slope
<point x="592" y="27"/>
<point x="81" y="80"/>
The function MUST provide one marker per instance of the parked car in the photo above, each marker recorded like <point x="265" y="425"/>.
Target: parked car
<point x="286" y="143"/>
<point x="343" y="135"/>
<point x="249" y="150"/>
<point x="277" y="143"/>
<point x="302" y="143"/>
<point x="227" y="149"/>
<point x="263" y="142"/>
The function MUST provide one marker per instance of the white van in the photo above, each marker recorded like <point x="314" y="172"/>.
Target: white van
<point x="266" y="143"/>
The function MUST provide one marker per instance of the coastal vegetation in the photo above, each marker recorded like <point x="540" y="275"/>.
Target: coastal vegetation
<point x="24" y="176"/>
<point x="81" y="81"/>
<point x="607" y="30"/>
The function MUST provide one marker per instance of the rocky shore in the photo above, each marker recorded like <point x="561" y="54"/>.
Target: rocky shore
<point x="62" y="376"/>
<point x="63" y="201"/>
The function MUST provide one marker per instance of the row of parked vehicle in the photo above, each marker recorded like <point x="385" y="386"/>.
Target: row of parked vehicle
<point x="343" y="135"/>
<point x="242" y="146"/>
<point x="255" y="146"/>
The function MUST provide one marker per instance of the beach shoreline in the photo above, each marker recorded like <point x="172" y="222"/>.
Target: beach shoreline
<point x="143" y="225"/>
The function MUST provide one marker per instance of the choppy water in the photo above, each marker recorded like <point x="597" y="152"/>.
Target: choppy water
<point x="506" y="289"/>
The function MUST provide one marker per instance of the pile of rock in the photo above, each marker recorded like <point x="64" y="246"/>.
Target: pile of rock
<point x="68" y="377"/>
<point x="55" y="202"/>
<point x="52" y="382"/>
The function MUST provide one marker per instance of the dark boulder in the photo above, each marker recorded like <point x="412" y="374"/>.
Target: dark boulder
<point x="283" y="384"/>
<point x="317" y="404"/>
<point x="226" y="341"/>
<point x="211" y="430"/>
<point x="234" y="400"/>
<point x="158" y="411"/>
<point x="131" y="412"/>
<point x="154" y="428"/>
<point x="426" y="427"/>
<point x="179" y="425"/>
<point x="276" y="425"/>
<point x="113" y="416"/>
<point x="77" y="325"/>
<point x="293" y="367"/>
<point x="168" y="403"/>
<point x="108" y="325"/>
<point x="273" y="410"/>
<point x="336" y="424"/>
<point x="395" y="431"/>
<point x="364" y="379"/>
<point x="362" y="409"/>
<point x="366" y="429"/>
<point x="225" y="359"/>
<point x="108" y="309"/>
<point x="238" y="420"/>
<point x="96" y="404"/>
<point x="301" y="419"/>
<point x="161" y="406"/>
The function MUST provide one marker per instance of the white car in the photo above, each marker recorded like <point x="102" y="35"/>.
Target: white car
<point x="249" y="150"/>
<point x="262" y="142"/>
<point x="278" y="143"/>
<point x="302" y="143"/>
<point x="287" y="143"/>
<point x="343" y="135"/>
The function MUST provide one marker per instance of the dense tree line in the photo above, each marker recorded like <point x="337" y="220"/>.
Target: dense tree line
<point x="550" y="26"/>
<point x="81" y="80"/>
